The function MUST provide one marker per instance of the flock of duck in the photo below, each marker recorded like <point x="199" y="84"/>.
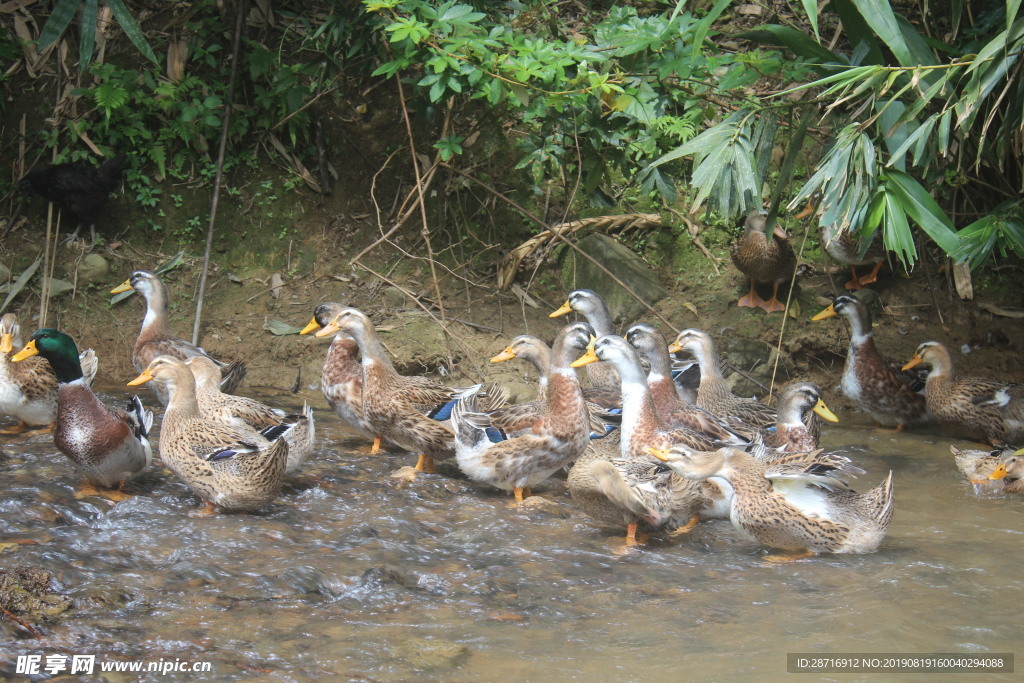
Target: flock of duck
<point x="646" y="447"/>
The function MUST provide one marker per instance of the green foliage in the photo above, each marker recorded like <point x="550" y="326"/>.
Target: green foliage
<point x="64" y="12"/>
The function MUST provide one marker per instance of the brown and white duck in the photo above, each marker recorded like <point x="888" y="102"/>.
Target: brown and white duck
<point x="980" y="407"/>
<point x="799" y="503"/>
<point x="341" y="380"/>
<point x="156" y="340"/>
<point x="516" y="447"/>
<point x="763" y="261"/>
<point x="28" y="389"/>
<point x="224" y="467"/>
<point x="1010" y="471"/>
<point x="875" y="384"/>
<point x="713" y="394"/>
<point x="248" y="415"/>
<point x="797" y="429"/>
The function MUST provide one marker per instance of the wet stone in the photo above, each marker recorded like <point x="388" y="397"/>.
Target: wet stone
<point x="26" y="591"/>
<point x="431" y="653"/>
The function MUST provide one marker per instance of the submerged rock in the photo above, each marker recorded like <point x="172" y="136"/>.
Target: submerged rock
<point x="25" y="592"/>
<point x="431" y="653"/>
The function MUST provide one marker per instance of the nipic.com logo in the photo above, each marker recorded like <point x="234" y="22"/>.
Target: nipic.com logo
<point x="36" y="665"/>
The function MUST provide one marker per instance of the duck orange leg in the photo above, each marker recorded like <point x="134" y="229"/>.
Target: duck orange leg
<point x="375" y="448"/>
<point x="773" y="305"/>
<point x="88" y="488"/>
<point x="688" y="527"/>
<point x="782" y="558"/>
<point x="425" y="464"/>
<point x="26" y="429"/>
<point x="864" y="280"/>
<point x="521" y="493"/>
<point x="751" y="300"/>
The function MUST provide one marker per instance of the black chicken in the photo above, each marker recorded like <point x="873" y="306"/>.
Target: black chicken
<point x="79" y="189"/>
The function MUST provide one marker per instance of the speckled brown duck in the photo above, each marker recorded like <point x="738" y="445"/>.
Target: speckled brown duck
<point x="980" y="407"/>
<point x="799" y="503"/>
<point x="1010" y="471"/>
<point x="797" y="428"/>
<point x="222" y="466"/>
<point x="762" y="260"/>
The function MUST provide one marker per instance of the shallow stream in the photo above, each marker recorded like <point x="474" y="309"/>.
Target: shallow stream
<point x="355" y="575"/>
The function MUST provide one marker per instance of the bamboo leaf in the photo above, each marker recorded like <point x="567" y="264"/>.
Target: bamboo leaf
<point x="879" y="16"/>
<point x="811" y="8"/>
<point x="90" y="12"/>
<point x="60" y="18"/>
<point x="701" y="32"/>
<point x="20" y="283"/>
<point x="923" y="209"/>
<point x="795" y="41"/>
<point x="896" y="235"/>
<point x="131" y="29"/>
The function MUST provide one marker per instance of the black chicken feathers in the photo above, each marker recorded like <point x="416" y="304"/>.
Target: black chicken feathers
<point x="79" y="189"/>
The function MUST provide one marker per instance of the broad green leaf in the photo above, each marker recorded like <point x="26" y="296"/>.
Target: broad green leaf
<point x="60" y="18"/>
<point x="131" y="29"/>
<point x="796" y="41"/>
<point x="90" y="11"/>
<point x="923" y="209"/>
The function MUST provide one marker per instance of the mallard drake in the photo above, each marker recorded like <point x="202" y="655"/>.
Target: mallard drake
<point x="591" y="306"/>
<point x="1011" y="471"/>
<point x="799" y="503"/>
<point x="642" y="428"/>
<point x="156" y="340"/>
<point x="763" y="261"/>
<point x="107" y="446"/>
<point x="651" y="346"/>
<point x="796" y="428"/>
<point x="984" y="408"/>
<point x="977" y="465"/>
<point x="875" y="384"/>
<point x="28" y="389"/>
<point x="516" y="448"/>
<point x="342" y="378"/>
<point x="221" y="465"/>
<point x="713" y="394"/>
<point x="249" y="416"/>
<point x="402" y="410"/>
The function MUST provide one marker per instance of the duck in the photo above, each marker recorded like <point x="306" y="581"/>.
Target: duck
<point x="976" y="464"/>
<point x="797" y="430"/>
<point x="515" y="449"/>
<point x="983" y="408"/>
<point x="342" y="377"/>
<point x="713" y="394"/>
<point x="535" y="352"/>
<point x="851" y="250"/>
<point x="641" y="428"/>
<point x="875" y="384"/>
<point x="107" y="446"/>
<point x="591" y="306"/>
<point x="651" y="347"/>
<point x="224" y="467"/>
<point x="763" y="261"/>
<point x="1011" y="471"/>
<point x="248" y="415"/>
<point x="28" y="389"/>
<point x="800" y="503"/>
<point x="156" y="340"/>
<point x="407" y="412"/>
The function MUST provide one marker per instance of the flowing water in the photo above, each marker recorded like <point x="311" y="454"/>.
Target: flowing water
<point x="354" y="575"/>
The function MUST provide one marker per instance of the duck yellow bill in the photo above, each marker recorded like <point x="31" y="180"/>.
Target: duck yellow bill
<point x="507" y="354"/>
<point x="999" y="472"/>
<point x="674" y="347"/>
<point x="822" y="410"/>
<point x="329" y="328"/>
<point x="827" y="313"/>
<point x="659" y="453"/>
<point x="561" y="311"/>
<point x="915" y="359"/>
<point x="313" y="325"/>
<point x="141" y="379"/>
<point x="587" y="358"/>
<point x="123" y="287"/>
<point x="6" y="342"/>
<point x="27" y="352"/>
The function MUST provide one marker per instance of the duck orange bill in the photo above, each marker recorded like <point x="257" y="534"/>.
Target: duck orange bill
<point x="123" y="287"/>
<point x="827" y="313"/>
<point x="587" y="358"/>
<point x="561" y="311"/>
<point x="999" y="472"/>
<point x="27" y="352"/>
<point x="313" y="325"/>
<point x="826" y="414"/>
<point x="674" y="347"/>
<point x="6" y="342"/>
<point x="914" y="360"/>
<point x="329" y="328"/>
<point x="507" y="354"/>
<point x="659" y="453"/>
<point x="141" y="379"/>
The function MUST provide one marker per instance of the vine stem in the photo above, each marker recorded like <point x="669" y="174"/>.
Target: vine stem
<point x="235" y="48"/>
